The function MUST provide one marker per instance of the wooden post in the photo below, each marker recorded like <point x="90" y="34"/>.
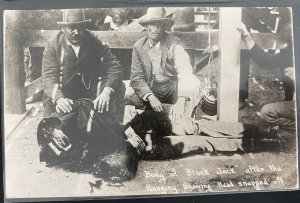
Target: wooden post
<point x="229" y="70"/>
<point x="14" y="90"/>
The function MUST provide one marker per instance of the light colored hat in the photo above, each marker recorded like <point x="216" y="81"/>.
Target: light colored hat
<point x="156" y="15"/>
<point x="74" y="17"/>
<point x="184" y="19"/>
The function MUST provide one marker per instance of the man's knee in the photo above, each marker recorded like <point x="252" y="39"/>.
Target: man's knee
<point x="136" y="101"/>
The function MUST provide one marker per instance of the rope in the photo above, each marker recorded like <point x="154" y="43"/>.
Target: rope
<point x="210" y="60"/>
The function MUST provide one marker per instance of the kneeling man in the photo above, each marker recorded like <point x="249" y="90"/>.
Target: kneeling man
<point x="161" y="71"/>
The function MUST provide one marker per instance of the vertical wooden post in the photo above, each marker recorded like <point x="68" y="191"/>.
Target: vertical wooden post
<point x="229" y="70"/>
<point x="14" y="91"/>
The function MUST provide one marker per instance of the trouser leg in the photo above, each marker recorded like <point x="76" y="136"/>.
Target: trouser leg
<point x="48" y="108"/>
<point x="289" y="87"/>
<point x="116" y="103"/>
<point x="281" y="114"/>
<point x="165" y="93"/>
<point x="244" y="75"/>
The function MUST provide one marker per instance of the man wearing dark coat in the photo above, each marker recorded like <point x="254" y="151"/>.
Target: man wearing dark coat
<point x="76" y="64"/>
<point x="282" y="113"/>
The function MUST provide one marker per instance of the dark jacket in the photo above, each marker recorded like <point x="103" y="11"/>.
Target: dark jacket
<point x="61" y="68"/>
<point x="141" y="68"/>
<point x="283" y="59"/>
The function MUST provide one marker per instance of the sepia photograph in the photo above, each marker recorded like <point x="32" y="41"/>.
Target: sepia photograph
<point x="148" y="101"/>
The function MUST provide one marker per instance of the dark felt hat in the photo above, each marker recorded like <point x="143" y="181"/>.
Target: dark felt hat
<point x="74" y="17"/>
<point x="156" y="15"/>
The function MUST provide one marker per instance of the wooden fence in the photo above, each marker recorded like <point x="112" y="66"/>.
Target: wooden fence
<point x="16" y="92"/>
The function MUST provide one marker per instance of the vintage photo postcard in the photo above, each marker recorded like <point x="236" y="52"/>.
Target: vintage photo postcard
<point x="147" y="101"/>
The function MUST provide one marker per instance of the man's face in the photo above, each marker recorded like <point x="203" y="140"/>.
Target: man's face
<point x="119" y="17"/>
<point x="155" y="31"/>
<point x="74" y="34"/>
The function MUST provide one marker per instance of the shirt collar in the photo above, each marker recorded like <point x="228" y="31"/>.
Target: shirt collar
<point x="75" y="48"/>
<point x="72" y="45"/>
<point x="157" y="45"/>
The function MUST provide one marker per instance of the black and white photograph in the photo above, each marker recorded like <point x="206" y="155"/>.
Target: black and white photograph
<point x="148" y="101"/>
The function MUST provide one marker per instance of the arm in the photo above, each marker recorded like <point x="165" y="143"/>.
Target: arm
<point x="266" y="60"/>
<point x="188" y="83"/>
<point x="138" y="82"/>
<point x="50" y="74"/>
<point x="262" y="58"/>
<point x="50" y="80"/>
<point x="113" y="67"/>
<point x="114" y="75"/>
<point x="138" y="75"/>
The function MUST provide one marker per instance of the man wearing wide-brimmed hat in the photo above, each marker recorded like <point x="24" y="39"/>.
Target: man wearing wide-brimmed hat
<point x="161" y="71"/>
<point x="76" y="64"/>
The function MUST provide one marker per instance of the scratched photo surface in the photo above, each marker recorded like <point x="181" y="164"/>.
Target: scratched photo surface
<point x="116" y="102"/>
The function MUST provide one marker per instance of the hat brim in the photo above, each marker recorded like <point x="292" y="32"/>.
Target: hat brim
<point x="166" y="21"/>
<point x="79" y="23"/>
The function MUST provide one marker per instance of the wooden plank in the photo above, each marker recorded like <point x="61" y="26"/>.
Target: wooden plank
<point x="33" y="88"/>
<point x="126" y="40"/>
<point x="206" y="12"/>
<point x="123" y="40"/>
<point x="14" y="97"/>
<point x="229" y="70"/>
<point x="205" y="22"/>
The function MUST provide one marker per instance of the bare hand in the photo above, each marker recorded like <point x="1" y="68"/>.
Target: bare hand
<point x="177" y="110"/>
<point x="101" y="103"/>
<point x="64" y="105"/>
<point x="155" y="103"/>
<point x="243" y="30"/>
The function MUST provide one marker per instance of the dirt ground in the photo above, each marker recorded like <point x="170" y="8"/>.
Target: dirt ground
<point x="273" y="166"/>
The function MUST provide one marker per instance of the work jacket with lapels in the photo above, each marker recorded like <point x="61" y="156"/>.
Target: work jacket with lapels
<point x="65" y="75"/>
<point x="175" y="65"/>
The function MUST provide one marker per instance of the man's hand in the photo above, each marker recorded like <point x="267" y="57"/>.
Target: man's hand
<point x="243" y="30"/>
<point x="177" y="110"/>
<point x="248" y="40"/>
<point x="290" y="73"/>
<point x="64" y="105"/>
<point x="155" y="103"/>
<point x="101" y="103"/>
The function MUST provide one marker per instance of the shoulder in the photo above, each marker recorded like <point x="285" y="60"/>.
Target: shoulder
<point x="54" y="43"/>
<point x="56" y="39"/>
<point x="140" y="43"/>
<point x="93" y="40"/>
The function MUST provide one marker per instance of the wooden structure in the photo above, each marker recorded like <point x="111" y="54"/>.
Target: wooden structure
<point x="229" y="70"/>
<point x="16" y="93"/>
